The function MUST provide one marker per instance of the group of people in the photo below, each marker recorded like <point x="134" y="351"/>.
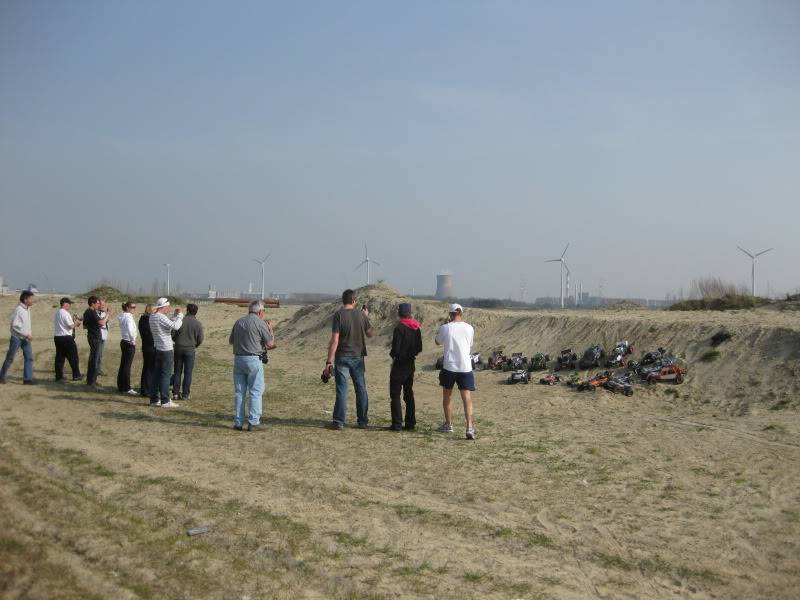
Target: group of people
<point x="168" y="344"/>
<point x="169" y="341"/>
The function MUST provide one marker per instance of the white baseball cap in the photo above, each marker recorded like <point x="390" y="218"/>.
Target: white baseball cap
<point x="161" y="303"/>
<point x="454" y="308"/>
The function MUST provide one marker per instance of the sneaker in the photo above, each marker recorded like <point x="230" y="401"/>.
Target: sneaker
<point x="77" y="378"/>
<point x="132" y="393"/>
<point x="335" y="426"/>
<point x="237" y="427"/>
<point x="155" y="404"/>
<point x="363" y="426"/>
<point x="445" y="428"/>
<point x="170" y="404"/>
<point x="175" y="397"/>
<point x="251" y="427"/>
<point x="29" y="382"/>
<point x="470" y="433"/>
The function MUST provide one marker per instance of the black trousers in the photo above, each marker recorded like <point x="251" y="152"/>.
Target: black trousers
<point x="95" y="349"/>
<point x="148" y="371"/>
<point x="128" y="351"/>
<point x="401" y="377"/>
<point x="66" y="348"/>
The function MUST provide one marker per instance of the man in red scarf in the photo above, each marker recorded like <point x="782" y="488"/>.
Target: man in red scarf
<point x="406" y="344"/>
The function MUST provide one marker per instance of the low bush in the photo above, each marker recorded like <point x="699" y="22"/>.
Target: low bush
<point x="726" y="302"/>
<point x="710" y="356"/>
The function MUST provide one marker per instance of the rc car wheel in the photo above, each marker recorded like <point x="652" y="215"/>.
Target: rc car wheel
<point x="679" y="378"/>
<point x="629" y="392"/>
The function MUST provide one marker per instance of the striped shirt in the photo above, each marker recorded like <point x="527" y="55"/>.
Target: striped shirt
<point x="161" y="326"/>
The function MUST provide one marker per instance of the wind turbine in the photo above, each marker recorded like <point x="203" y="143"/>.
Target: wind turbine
<point x="167" y="265"/>
<point x="753" y="257"/>
<point x="367" y="261"/>
<point x="563" y="267"/>
<point x="261" y="261"/>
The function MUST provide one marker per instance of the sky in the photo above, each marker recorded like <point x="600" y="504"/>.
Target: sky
<point x="478" y="137"/>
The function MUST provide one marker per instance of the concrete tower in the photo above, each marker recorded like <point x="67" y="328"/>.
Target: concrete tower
<point x="444" y="286"/>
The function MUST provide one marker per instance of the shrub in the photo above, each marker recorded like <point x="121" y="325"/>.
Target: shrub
<point x="710" y="356"/>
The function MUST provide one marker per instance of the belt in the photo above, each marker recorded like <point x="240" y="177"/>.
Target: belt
<point x="248" y="354"/>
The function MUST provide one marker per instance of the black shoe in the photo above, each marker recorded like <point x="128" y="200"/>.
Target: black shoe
<point x="77" y="378"/>
<point x="392" y="428"/>
<point x="29" y="382"/>
<point x="334" y="426"/>
<point x="410" y="427"/>
<point x="363" y="426"/>
<point x="237" y="427"/>
<point x="3" y="380"/>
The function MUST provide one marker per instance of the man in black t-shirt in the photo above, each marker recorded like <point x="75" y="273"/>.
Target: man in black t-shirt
<point x="92" y="323"/>
<point x="346" y="351"/>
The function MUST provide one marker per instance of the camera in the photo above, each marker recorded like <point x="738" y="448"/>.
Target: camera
<point x="264" y="357"/>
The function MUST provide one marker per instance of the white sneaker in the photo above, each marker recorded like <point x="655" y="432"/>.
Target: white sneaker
<point x="133" y="393"/>
<point x="445" y="428"/>
<point x="170" y="404"/>
<point x="470" y="433"/>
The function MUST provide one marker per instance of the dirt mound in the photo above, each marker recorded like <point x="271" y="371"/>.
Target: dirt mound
<point x="757" y="365"/>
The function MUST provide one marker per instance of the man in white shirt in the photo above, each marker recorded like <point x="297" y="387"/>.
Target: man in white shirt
<point x="64" y="339"/>
<point x="456" y="337"/>
<point x="20" y="338"/>
<point x="162" y="326"/>
<point x="127" y="347"/>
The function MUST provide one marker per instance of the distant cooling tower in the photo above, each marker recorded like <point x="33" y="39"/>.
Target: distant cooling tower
<point x="444" y="286"/>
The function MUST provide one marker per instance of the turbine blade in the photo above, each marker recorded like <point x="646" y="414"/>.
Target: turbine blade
<point x="764" y="251"/>
<point x="565" y="249"/>
<point x="375" y="262"/>
<point x="553" y="260"/>
<point x="745" y="251"/>
<point x="361" y="264"/>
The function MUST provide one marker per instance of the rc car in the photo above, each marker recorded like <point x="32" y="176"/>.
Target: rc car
<point x="475" y="358"/>
<point x="669" y="373"/>
<point x="566" y="360"/>
<point x="519" y="376"/>
<point x="516" y="362"/>
<point x="575" y="380"/>
<point x="620" y="383"/>
<point x="595" y="382"/>
<point x="616" y="358"/>
<point x="497" y="360"/>
<point x="550" y="379"/>
<point x="539" y="362"/>
<point x="592" y="357"/>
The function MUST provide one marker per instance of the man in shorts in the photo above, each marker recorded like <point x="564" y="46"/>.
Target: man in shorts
<point x="456" y="337"/>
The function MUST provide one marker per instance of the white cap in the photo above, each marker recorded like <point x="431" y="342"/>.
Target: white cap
<point x="456" y="308"/>
<point x="161" y="303"/>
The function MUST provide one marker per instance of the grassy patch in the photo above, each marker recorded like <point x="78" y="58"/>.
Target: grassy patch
<point x="710" y="356"/>
<point x="474" y="576"/>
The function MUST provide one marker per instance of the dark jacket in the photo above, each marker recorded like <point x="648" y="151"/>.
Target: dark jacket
<point x="406" y="343"/>
<point x="145" y="334"/>
<point x="189" y="336"/>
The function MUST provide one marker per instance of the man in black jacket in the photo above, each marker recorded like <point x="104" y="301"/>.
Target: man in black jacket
<point x="406" y="344"/>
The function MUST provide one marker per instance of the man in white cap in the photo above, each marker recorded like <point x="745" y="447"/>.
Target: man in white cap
<point x="456" y="337"/>
<point x="162" y="326"/>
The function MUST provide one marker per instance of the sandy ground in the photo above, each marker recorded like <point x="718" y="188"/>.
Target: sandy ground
<point x="687" y="492"/>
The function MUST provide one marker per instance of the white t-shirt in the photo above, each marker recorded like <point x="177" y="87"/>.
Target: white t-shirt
<point x="62" y="323"/>
<point x="456" y="339"/>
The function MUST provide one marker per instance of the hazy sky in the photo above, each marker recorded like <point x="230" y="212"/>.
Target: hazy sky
<point x="475" y="136"/>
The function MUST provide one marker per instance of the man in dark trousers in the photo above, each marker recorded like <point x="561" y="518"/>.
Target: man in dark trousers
<point x="406" y="344"/>
<point x="187" y="339"/>
<point x="147" y="380"/>
<point x="92" y="323"/>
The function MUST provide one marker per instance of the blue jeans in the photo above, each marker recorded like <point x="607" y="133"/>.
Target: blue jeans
<point x="164" y="360"/>
<point x="353" y="366"/>
<point x="248" y="382"/>
<point x="27" y="354"/>
<point x="184" y="364"/>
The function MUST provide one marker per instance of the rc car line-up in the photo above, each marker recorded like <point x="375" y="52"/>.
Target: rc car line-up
<point x="619" y="376"/>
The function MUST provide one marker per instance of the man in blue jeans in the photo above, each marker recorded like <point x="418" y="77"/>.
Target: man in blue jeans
<point x="250" y="337"/>
<point x="348" y="347"/>
<point x="20" y="338"/>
